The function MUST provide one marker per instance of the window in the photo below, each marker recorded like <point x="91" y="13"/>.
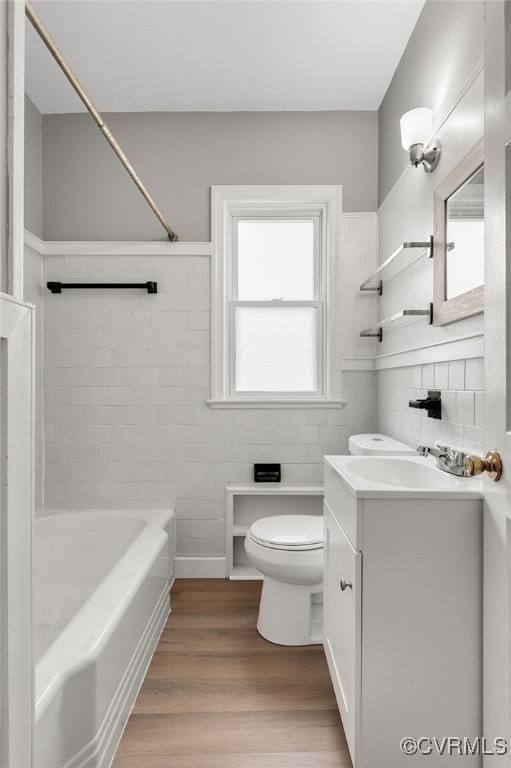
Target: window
<point x="275" y="309"/>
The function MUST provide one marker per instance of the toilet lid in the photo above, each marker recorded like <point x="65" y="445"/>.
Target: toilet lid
<point x="288" y="531"/>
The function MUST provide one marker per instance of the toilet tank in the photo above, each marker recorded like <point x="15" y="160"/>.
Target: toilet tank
<point x="375" y="445"/>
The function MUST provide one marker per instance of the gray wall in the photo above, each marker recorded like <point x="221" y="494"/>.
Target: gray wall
<point x="33" y="169"/>
<point x="436" y="70"/>
<point x="508" y="53"/>
<point x="87" y="194"/>
<point x="445" y="47"/>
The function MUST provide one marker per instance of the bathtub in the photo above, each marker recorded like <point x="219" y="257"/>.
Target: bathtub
<point x="101" y="599"/>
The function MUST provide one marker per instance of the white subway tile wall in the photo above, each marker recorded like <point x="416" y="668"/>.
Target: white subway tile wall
<point x="461" y="384"/>
<point x="126" y="377"/>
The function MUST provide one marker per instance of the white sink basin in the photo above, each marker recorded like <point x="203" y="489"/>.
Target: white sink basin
<point x="387" y="476"/>
<point x="400" y="472"/>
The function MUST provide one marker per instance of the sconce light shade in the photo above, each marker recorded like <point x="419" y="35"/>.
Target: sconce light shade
<point x="416" y="128"/>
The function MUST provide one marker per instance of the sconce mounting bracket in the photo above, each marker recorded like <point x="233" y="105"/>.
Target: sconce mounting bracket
<point x="427" y="156"/>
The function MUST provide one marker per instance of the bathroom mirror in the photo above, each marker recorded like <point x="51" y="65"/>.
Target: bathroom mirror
<point x="458" y="247"/>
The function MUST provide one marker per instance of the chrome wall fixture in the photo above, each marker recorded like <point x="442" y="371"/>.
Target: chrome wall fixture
<point x="416" y="129"/>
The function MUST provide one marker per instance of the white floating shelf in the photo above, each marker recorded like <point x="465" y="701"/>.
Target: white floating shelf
<point x="275" y="489"/>
<point x="240" y="530"/>
<point x="399" y="318"/>
<point x="426" y="247"/>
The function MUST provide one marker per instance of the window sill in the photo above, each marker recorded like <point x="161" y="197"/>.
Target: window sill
<point x="277" y="403"/>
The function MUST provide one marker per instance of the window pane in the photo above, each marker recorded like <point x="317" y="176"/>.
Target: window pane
<point x="275" y="260"/>
<point x="276" y="349"/>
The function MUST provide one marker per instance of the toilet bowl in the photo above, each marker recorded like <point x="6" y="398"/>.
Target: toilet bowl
<point x="288" y="551"/>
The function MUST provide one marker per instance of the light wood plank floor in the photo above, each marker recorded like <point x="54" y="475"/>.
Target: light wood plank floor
<point x="217" y="695"/>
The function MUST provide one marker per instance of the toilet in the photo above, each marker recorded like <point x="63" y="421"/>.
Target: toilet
<point x="288" y="551"/>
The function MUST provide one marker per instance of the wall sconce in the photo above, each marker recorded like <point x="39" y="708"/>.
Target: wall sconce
<point x="416" y="127"/>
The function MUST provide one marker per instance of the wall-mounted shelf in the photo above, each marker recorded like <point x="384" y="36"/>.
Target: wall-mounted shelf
<point x="394" y="321"/>
<point x="249" y="502"/>
<point x="426" y="247"/>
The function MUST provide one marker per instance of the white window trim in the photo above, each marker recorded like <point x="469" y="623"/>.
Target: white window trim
<point x="230" y="201"/>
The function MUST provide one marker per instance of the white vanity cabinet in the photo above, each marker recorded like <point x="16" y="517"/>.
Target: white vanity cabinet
<point x="402" y="620"/>
<point x="342" y="591"/>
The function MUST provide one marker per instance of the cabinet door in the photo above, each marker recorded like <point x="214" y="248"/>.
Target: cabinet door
<point x="341" y="622"/>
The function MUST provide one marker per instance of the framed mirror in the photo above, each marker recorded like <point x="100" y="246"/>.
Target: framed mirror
<point x="458" y="245"/>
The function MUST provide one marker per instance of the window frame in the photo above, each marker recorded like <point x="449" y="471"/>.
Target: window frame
<point x="316" y="302"/>
<point x="230" y="204"/>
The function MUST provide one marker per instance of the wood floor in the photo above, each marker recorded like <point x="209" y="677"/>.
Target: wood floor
<point x="219" y="696"/>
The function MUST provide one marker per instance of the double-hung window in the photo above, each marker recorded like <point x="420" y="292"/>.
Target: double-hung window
<point x="275" y="309"/>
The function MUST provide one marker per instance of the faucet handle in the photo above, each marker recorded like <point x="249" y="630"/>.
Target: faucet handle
<point x="455" y="455"/>
<point x="448" y="450"/>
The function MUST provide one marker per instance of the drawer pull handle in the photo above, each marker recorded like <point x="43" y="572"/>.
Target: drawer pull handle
<point x="345" y="585"/>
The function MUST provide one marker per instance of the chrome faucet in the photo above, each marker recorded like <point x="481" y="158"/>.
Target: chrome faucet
<point x="447" y="459"/>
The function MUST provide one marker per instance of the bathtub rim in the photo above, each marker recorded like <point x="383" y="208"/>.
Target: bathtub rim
<point x="161" y="518"/>
<point x="149" y="541"/>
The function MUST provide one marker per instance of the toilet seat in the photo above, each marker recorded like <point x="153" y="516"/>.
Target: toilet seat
<point x="292" y="533"/>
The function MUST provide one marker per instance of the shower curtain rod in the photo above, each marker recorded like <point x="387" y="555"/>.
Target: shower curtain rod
<point x="98" y="119"/>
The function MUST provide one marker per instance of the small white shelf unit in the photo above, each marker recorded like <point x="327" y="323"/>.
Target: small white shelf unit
<point x="397" y="320"/>
<point x="396" y="262"/>
<point x="248" y="502"/>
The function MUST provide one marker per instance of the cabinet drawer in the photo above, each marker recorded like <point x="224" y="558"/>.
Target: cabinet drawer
<point x="342" y="621"/>
<point x="344" y="506"/>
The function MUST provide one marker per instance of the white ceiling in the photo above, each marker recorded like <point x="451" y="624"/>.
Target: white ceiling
<point x="219" y="55"/>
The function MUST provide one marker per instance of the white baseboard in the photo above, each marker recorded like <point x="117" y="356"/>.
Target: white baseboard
<point x="200" y="567"/>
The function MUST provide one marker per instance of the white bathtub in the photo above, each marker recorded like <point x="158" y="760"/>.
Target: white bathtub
<point x="101" y="599"/>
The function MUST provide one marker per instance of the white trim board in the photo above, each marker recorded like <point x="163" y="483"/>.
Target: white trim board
<point x="455" y="349"/>
<point x="200" y="567"/>
<point x="266" y="403"/>
<point x="15" y="300"/>
<point x="508" y="119"/>
<point x="34" y="242"/>
<point x="13" y="281"/>
<point x="17" y="327"/>
<point x="115" y="247"/>
<point x="357" y="364"/>
<point x="359" y="214"/>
